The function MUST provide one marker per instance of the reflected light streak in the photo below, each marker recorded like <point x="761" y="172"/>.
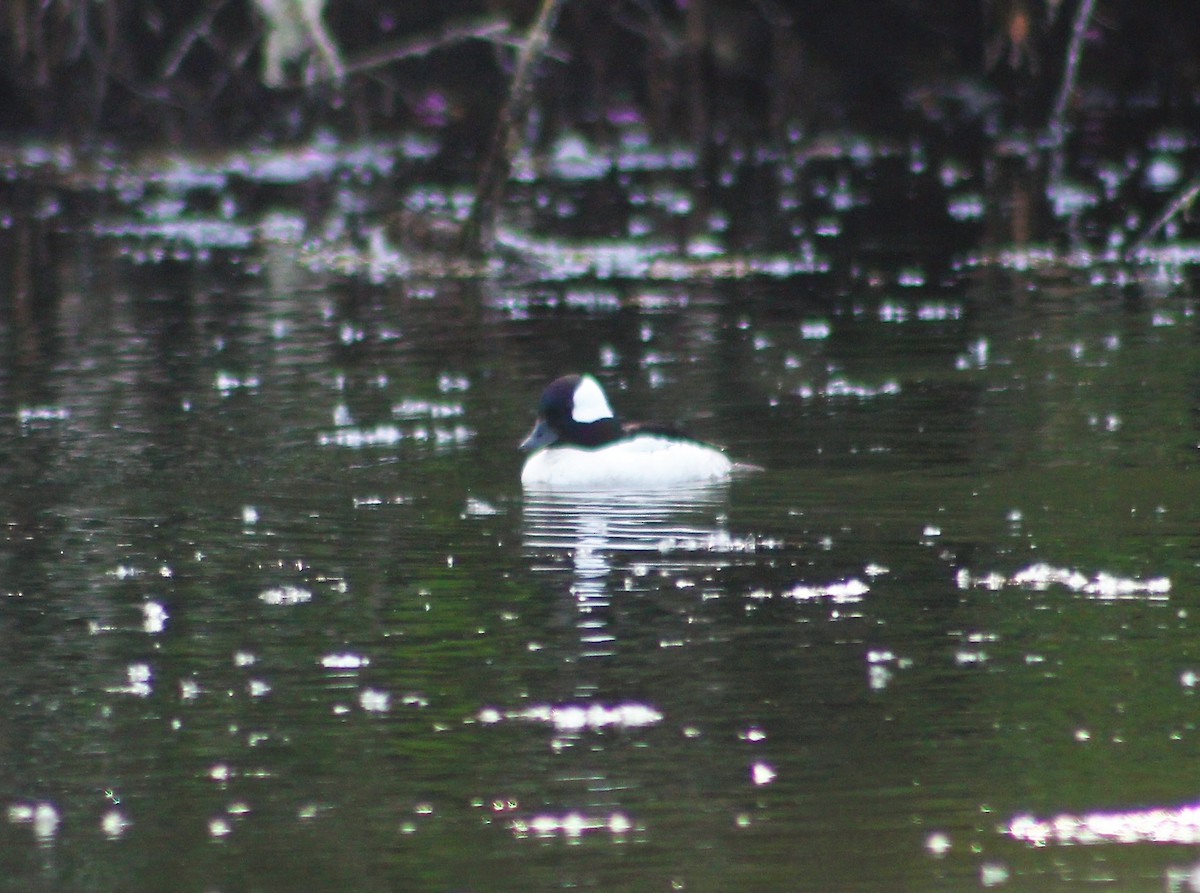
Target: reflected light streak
<point x="1167" y="825"/>
<point x="576" y="717"/>
<point x="1040" y="577"/>
<point x="571" y="825"/>
<point x="592" y="530"/>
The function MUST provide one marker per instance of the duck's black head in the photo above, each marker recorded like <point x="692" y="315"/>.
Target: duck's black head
<point x="573" y="410"/>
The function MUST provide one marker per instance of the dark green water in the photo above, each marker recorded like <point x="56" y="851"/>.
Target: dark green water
<point x="269" y="581"/>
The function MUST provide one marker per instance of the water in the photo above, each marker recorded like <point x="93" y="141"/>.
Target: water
<point x="277" y="615"/>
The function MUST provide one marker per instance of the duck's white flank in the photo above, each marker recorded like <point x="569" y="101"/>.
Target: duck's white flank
<point x="644" y="462"/>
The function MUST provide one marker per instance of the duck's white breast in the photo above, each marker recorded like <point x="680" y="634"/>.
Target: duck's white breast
<point x="642" y="462"/>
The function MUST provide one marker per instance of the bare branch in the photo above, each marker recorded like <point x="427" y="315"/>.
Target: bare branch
<point x="1083" y="16"/>
<point x="1181" y="202"/>
<point x="507" y="141"/>
<point x="495" y="30"/>
<point x="183" y="44"/>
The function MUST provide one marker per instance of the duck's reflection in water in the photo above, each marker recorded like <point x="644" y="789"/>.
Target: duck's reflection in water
<point x="604" y="542"/>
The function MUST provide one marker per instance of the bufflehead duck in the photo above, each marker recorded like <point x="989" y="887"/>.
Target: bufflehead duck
<point x="579" y="444"/>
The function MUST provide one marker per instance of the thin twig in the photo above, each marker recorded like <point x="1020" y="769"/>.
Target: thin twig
<point x="1056" y="125"/>
<point x="183" y="44"/>
<point x="496" y="30"/>
<point x="1181" y="201"/>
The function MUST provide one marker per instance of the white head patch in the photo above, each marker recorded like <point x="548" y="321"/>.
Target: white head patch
<point x="589" y="403"/>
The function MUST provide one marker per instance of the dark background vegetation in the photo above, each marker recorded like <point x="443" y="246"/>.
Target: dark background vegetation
<point x="155" y="71"/>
